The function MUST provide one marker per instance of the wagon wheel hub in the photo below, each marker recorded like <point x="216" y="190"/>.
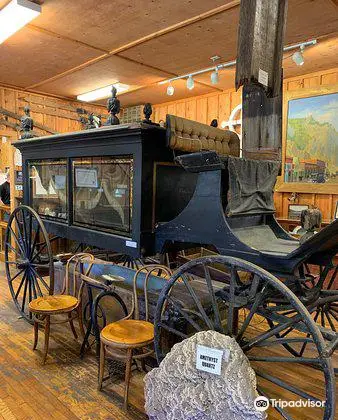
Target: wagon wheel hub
<point x="23" y="264"/>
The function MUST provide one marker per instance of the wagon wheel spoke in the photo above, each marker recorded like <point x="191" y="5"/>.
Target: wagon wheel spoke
<point x="20" y="233"/>
<point x="231" y="302"/>
<point x="41" y="279"/>
<point x="278" y="341"/>
<point x="172" y="330"/>
<point x="25" y="234"/>
<point x="36" y="236"/>
<point x="24" y="295"/>
<point x="11" y="262"/>
<point x="20" y="285"/>
<point x="258" y="300"/>
<point x="280" y="410"/>
<point x="331" y="312"/>
<point x="17" y="275"/>
<point x="197" y="302"/>
<point x="184" y="313"/>
<point x="308" y="360"/>
<point x="327" y="313"/>
<point x="39" y="252"/>
<point x="32" y="279"/>
<point x="288" y="387"/>
<point x="218" y="322"/>
<point x="333" y="277"/>
<point x="274" y="331"/>
<point x="39" y="289"/>
<point x="17" y="242"/>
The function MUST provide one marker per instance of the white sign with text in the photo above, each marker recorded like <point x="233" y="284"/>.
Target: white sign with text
<point x="210" y="360"/>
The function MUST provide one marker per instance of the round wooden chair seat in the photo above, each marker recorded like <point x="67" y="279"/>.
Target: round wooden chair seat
<point x="128" y="331"/>
<point x="54" y="303"/>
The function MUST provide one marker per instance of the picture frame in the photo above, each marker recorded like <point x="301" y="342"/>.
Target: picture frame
<point x="295" y="210"/>
<point x="311" y="185"/>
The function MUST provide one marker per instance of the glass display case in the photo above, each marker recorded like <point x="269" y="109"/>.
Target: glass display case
<point x="102" y="193"/>
<point x="49" y="188"/>
<point x="96" y="187"/>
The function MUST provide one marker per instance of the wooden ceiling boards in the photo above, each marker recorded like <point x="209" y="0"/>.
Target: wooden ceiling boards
<point x="30" y="56"/>
<point x="77" y="46"/>
<point x="109" y="24"/>
<point x="112" y="69"/>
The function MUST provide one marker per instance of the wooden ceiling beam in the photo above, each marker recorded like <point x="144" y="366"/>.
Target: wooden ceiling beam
<point x="172" y="28"/>
<point x="66" y="38"/>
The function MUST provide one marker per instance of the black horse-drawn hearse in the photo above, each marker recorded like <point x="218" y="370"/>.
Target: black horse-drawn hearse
<point x="142" y="190"/>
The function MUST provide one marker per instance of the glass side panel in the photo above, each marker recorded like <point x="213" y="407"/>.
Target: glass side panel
<point x="102" y="193"/>
<point x="48" y="188"/>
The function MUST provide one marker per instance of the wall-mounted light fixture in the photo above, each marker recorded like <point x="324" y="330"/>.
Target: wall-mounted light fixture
<point x="101" y="93"/>
<point x="15" y="16"/>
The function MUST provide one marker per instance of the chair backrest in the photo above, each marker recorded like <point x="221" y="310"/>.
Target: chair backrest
<point x="144" y="274"/>
<point x="69" y="287"/>
<point x="192" y="136"/>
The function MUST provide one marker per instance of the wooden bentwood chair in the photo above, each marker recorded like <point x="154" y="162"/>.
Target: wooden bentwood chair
<point x="67" y="303"/>
<point x="131" y="339"/>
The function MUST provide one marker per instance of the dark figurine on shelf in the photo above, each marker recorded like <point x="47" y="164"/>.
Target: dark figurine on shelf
<point x="113" y="107"/>
<point x="147" y="111"/>
<point x="26" y="125"/>
<point x="93" y="121"/>
<point x="214" y="123"/>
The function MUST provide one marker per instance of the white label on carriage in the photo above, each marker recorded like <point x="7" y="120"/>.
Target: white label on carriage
<point x="131" y="244"/>
<point x="18" y="187"/>
<point x="263" y="77"/>
<point x="209" y="359"/>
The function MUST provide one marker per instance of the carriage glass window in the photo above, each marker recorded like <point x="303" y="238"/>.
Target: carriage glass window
<point x="48" y="188"/>
<point x="102" y="193"/>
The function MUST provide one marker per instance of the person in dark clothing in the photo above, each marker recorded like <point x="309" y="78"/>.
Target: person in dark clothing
<point x="5" y="196"/>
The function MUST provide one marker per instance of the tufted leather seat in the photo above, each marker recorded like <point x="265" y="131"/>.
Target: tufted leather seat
<point x="192" y="136"/>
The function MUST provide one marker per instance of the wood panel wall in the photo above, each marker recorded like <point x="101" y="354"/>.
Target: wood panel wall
<point x="203" y="108"/>
<point x="57" y="114"/>
<point x="219" y="105"/>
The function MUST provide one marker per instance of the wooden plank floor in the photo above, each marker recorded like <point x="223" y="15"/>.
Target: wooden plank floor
<point x="65" y="388"/>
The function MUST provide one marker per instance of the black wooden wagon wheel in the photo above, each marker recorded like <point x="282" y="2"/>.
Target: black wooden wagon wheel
<point x="326" y="313"/>
<point x="28" y="259"/>
<point x="256" y="309"/>
<point x="323" y="309"/>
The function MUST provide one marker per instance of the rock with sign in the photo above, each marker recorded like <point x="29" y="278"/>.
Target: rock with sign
<point x="177" y="390"/>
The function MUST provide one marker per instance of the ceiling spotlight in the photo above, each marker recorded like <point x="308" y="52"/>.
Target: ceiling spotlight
<point x="214" y="77"/>
<point x="190" y="82"/>
<point x="298" y="57"/>
<point x="170" y="90"/>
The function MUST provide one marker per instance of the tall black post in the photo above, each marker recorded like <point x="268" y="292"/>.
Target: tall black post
<point x="259" y="71"/>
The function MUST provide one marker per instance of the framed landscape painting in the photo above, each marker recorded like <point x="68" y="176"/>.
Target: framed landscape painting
<point x="311" y="146"/>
